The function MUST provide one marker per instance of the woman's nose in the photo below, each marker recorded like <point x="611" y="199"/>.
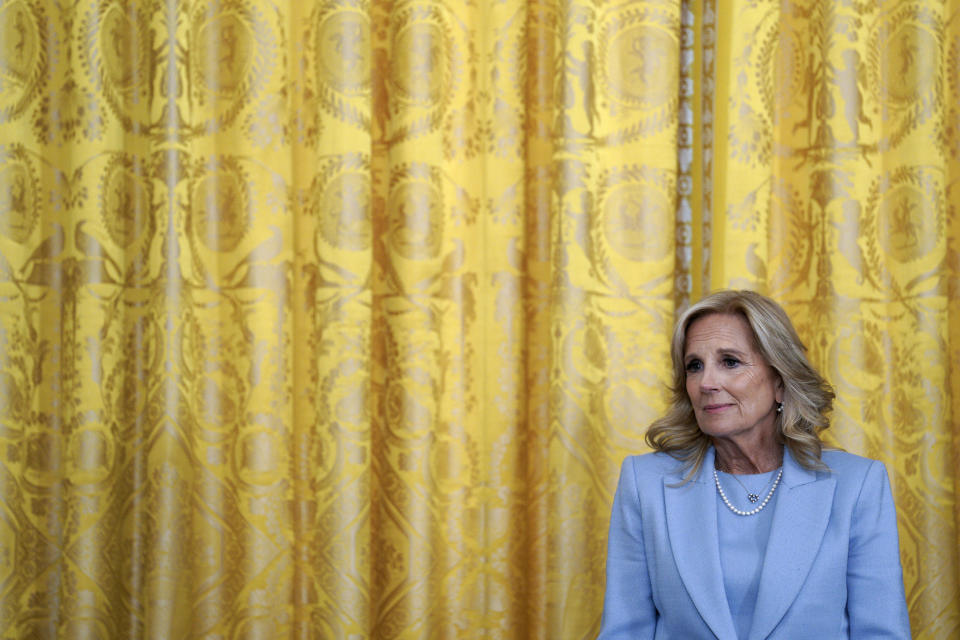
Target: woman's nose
<point x="708" y="379"/>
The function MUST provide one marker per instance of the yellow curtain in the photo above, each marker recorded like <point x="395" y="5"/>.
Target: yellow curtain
<point x="334" y="319"/>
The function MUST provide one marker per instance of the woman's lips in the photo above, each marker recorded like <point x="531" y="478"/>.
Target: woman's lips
<point x="714" y="408"/>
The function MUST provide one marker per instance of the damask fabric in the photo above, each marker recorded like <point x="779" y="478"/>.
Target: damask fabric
<point x="335" y="319"/>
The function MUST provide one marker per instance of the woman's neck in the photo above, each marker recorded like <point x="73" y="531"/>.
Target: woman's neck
<point x="733" y="458"/>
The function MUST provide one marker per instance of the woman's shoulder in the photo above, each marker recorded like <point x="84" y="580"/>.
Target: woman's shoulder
<point x="845" y="465"/>
<point x="652" y="464"/>
<point x="838" y="459"/>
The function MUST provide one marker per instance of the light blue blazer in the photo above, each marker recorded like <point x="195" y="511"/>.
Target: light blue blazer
<point x="831" y="569"/>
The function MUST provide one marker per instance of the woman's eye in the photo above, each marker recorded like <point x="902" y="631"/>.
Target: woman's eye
<point x="730" y="362"/>
<point x="694" y="365"/>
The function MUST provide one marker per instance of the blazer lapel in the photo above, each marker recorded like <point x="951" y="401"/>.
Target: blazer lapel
<point x="799" y="522"/>
<point x="692" y="523"/>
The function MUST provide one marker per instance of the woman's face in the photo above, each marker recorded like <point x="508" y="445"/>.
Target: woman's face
<point x="731" y="387"/>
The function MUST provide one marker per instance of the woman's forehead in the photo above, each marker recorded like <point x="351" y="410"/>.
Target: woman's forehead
<point x="718" y="331"/>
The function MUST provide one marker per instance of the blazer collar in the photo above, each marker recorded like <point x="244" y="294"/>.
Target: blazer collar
<point x="692" y="525"/>
<point x="799" y="521"/>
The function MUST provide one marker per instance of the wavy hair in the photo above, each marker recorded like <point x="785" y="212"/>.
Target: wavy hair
<point x="807" y="397"/>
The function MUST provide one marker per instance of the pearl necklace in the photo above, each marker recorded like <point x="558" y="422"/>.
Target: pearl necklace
<point x="752" y="512"/>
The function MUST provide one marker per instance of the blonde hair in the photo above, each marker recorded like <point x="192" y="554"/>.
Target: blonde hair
<point x="807" y="397"/>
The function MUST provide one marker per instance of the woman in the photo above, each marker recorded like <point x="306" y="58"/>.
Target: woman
<point x="739" y="525"/>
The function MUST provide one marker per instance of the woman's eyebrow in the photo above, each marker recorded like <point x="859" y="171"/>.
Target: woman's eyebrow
<point x="733" y="352"/>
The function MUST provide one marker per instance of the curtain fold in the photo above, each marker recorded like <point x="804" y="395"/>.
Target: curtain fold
<point x="335" y="319"/>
